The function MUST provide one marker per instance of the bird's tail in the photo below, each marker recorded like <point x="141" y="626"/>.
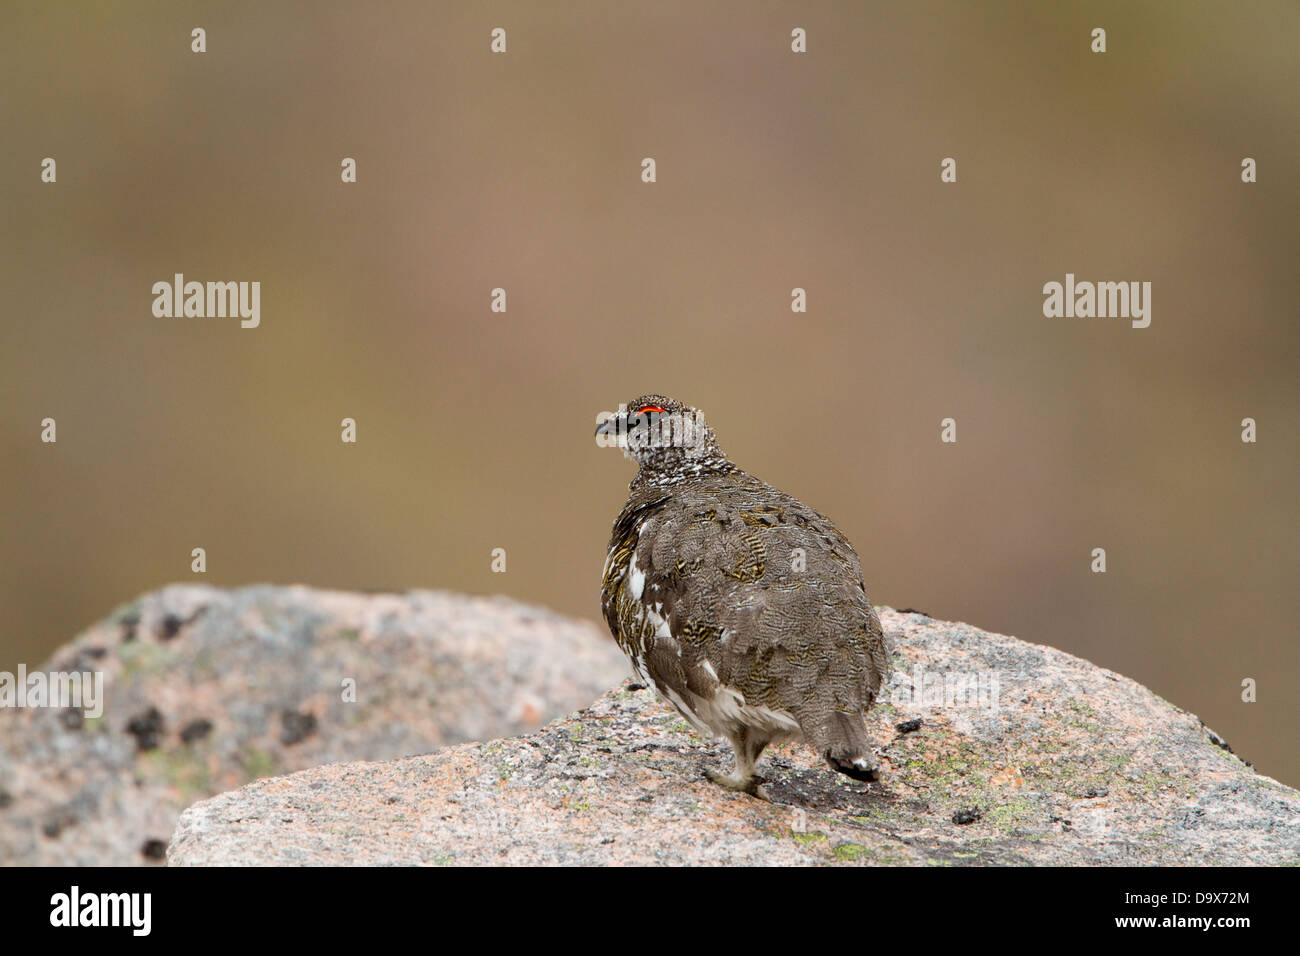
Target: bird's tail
<point x="849" y="750"/>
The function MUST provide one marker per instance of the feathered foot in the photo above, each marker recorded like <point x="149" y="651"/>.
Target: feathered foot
<point x="748" y="747"/>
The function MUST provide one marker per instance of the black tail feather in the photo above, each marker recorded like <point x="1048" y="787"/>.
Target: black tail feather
<point x="850" y="750"/>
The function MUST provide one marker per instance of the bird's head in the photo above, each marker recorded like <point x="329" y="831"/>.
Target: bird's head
<point x="663" y="436"/>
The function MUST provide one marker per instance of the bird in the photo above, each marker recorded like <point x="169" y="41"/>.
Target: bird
<point x="738" y="604"/>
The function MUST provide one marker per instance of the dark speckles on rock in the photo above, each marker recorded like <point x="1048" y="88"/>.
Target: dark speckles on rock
<point x="128" y="623"/>
<point x="1192" y="818"/>
<point x="818" y="790"/>
<point x="57" y="822"/>
<point x="6" y="799"/>
<point x="909" y="726"/>
<point x="967" y="815"/>
<point x="154" y="849"/>
<point x="196" y="730"/>
<point x="147" y="728"/>
<point x="172" y="624"/>
<point x="72" y="719"/>
<point x="295" y="726"/>
<point x="169" y="627"/>
<point x="1221" y="743"/>
<point x="1094" y="792"/>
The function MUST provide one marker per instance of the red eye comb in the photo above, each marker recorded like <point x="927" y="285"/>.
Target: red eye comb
<point x="650" y="408"/>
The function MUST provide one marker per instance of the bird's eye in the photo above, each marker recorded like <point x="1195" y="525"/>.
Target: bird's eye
<point x="644" y="409"/>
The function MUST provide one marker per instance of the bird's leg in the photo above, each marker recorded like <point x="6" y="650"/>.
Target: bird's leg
<point x="748" y="747"/>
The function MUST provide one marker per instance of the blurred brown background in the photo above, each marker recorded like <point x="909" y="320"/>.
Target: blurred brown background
<point x="775" y="170"/>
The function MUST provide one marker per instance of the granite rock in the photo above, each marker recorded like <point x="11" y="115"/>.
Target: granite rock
<point x="992" y="751"/>
<point x="207" y="689"/>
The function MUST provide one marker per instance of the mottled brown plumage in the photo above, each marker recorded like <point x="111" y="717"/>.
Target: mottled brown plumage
<point x="739" y="604"/>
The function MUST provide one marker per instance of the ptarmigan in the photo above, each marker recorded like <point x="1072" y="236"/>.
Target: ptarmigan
<point x="739" y="604"/>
